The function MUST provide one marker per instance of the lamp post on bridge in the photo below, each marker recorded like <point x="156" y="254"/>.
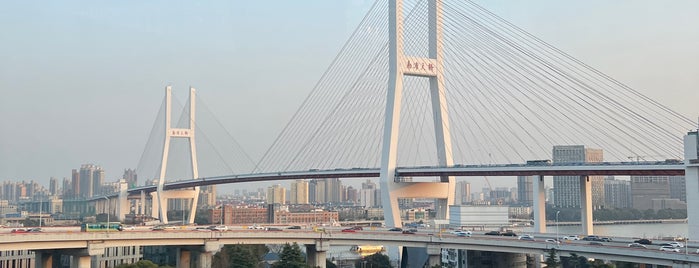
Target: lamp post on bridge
<point x="557" y="238"/>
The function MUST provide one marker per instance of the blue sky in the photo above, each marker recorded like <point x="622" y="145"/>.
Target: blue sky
<point x="82" y="81"/>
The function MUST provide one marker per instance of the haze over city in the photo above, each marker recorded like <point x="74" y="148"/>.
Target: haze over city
<point x="82" y="82"/>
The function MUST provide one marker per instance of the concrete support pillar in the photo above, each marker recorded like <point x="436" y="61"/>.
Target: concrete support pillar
<point x="142" y="206"/>
<point x="434" y="255"/>
<point x="586" y="205"/>
<point x="539" y="204"/>
<point x="315" y="258"/>
<point x="43" y="259"/>
<point x="124" y="206"/>
<point x="154" y="205"/>
<point x="184" y="258"/>
<point x="206" y="256"/>
<point x="691" y="175"/>
<point x="205" y="260"/>
<point x="81" y="262"/>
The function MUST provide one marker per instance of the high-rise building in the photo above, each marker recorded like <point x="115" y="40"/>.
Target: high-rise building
<point x="646" y="188"/>
<point x="97" y="180"/>
<point x="276" y="194"/>
<point x="130" y="177"/>
<point x="318" y="193"/>
<point x="351" y="195"/>
<point x="567" y="188"/>
<point x="678" y="188"/>
<point x="75" y="182"/>
<point x="525" y="190"/>
<point x="299" y="192"/>
<point x="67" y="188"/>
<point x="463" y="193"/>
<point x="367" y="198"/>
<point x="333" y="190"/>
<point x="53" y="186"/>
<point x="617" y="193"/>
<point x="90" y="180"/>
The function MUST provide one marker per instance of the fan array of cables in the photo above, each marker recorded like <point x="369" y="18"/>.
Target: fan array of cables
<point x="510" y="97"/>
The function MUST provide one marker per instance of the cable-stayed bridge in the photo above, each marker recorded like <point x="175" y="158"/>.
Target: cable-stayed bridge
<point x="464" y="89"/>
<point x="441" y="89"/>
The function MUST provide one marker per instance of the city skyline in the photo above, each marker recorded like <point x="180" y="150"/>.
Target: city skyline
<point x="104" y="98"/>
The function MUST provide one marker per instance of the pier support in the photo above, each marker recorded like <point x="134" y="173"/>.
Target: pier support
<point x="206" y="255"/>
<point x="316" y="254"/>
<point x="586" y="205"/>
<point x="81" y="261"/>
<point x="434" y="255"/>
<point x="43" y="258"/>
<point x="539" y="204"/>
<point x="124" y="205"/>
<point x="184" y="258"/>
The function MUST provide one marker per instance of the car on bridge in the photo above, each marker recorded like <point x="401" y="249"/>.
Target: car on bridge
<point x="462" y="233"/>
<point x="571" y="237"/>
<point x="395" y="229"/>
<point x="637" y="245"/>
<point x="644" y="241"/>
<point x="509" y="233"/>
<point x="349" y="230"/>
<point x="220" y="228"/>
<point x="408" y="232"/>
<point x="493" y="233"/>
<point x="592" y="238"/>
<point x="295" y="227"/>
<point x="674" y="244"/>
<point x="552" y="241"/>
<point x="669" y="248"/>
<point x="526" y="237"/>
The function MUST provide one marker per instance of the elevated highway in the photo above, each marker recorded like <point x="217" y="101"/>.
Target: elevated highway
<point x="210" y="242"/>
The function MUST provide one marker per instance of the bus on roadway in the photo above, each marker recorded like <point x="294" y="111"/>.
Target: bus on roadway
<point x="101" y="227"/>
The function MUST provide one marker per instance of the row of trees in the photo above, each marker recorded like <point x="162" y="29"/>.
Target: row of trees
<point x="573" y="214"/>
<point x="246" y="256"/>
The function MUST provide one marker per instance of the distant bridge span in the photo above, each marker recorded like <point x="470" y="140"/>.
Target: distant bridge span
<point x="570" y="169"/>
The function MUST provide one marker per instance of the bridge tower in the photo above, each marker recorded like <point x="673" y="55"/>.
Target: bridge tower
<point x="160" y="197"/>
<point x="691" y="174"/>
<point x="401" y="65"/>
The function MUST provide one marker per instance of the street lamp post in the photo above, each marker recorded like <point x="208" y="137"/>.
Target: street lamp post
<point x="557" y="238"/>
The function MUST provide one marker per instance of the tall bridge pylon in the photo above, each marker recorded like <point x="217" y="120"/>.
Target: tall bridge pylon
<point x="160" y="197"/>
<point x="431" y="67"/>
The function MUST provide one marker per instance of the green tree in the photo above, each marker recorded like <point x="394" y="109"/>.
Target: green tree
<point x="649" y="214"/>
<point x="203" y="217"/>
<point x="291" y="257"/>
<point x="329" y="264"/>
<point x="239" y="256"/>
<point x="375" y="260"/>
<point x="552" y="259"/>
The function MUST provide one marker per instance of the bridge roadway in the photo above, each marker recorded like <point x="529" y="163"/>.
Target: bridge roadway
<point x="659" y="168"/>
<point x="95" y="242"/>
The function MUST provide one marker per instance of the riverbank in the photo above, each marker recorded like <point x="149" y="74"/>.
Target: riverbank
<point x="619" y="222"/>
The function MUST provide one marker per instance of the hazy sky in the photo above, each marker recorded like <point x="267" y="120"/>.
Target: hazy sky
<point x="82" y="81"/>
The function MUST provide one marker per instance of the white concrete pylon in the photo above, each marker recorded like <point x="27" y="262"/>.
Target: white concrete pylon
<point x="159" y="206"/>
<point x="432" y="69"/>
